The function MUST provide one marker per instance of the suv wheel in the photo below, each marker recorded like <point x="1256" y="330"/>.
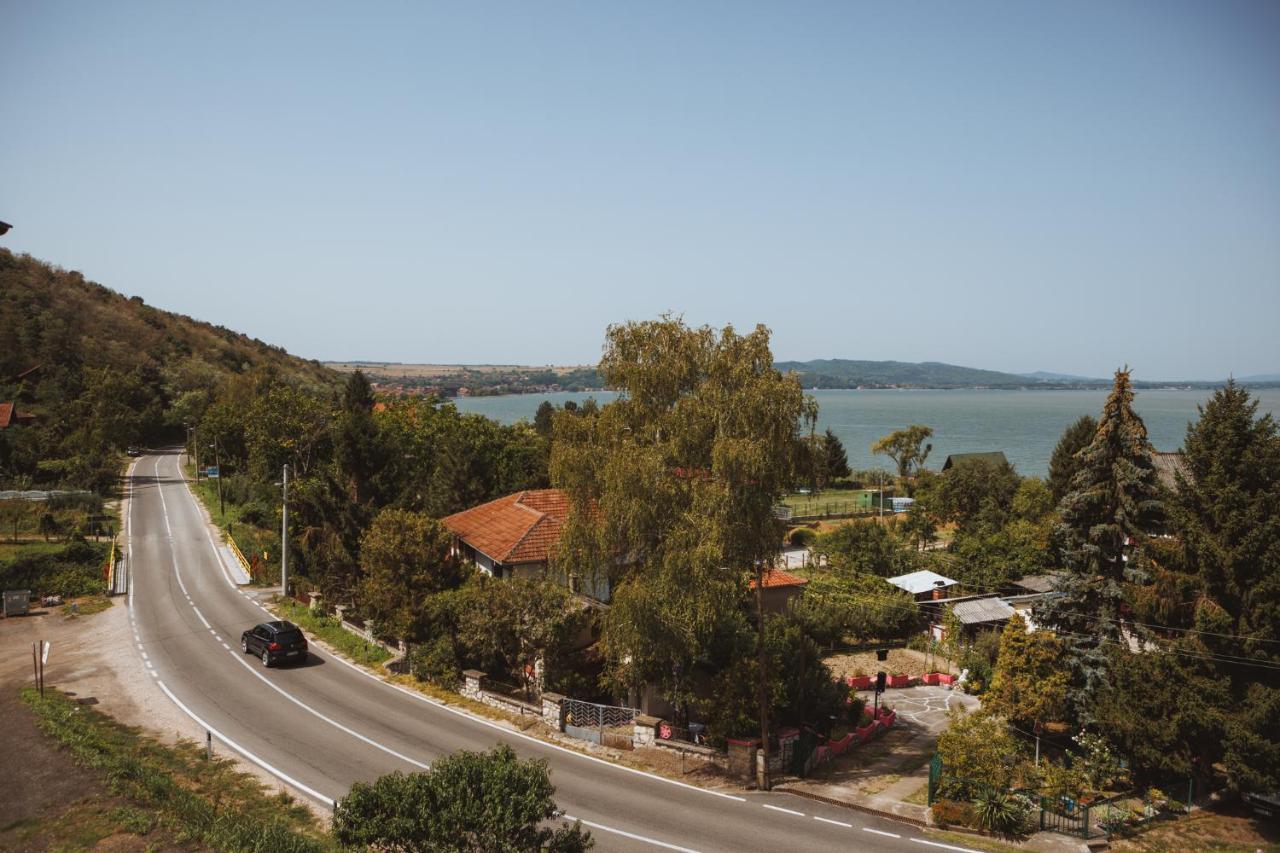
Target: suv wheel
<point x="266" y="658"/>
<point x="244" y="646"/>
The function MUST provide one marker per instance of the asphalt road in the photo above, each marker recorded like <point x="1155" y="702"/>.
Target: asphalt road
<point x="326" y="724"/>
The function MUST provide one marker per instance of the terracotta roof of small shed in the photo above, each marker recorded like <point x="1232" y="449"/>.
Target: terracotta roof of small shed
<point x="518" y="528"/>
<point x="6" y="414"/>
<point x="777" y="577"/>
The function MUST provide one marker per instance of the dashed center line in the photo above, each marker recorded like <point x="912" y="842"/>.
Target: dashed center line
<point x="836" y="822"/>
<point x="881" y="832"/>
<point x="781" y="809"/>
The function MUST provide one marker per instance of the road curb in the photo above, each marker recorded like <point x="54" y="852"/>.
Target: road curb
<point x="857" y="807"/>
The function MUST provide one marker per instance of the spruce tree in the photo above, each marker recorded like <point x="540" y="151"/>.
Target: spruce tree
<point x="1063" y="464"/>
<point x="1227" y="516"/>
<point x="1112" y="506"/>
<point x="837" y="460"/>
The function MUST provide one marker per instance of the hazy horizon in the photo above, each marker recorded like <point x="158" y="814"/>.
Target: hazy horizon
<point x="1063" y="187"/>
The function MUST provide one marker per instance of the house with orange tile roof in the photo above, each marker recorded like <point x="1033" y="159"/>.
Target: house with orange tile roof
<point x="10" y="416"/>
<point x="780" y="589"/>
<point x="516" y="535"/>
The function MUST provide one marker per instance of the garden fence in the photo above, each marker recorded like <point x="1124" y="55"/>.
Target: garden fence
<point x="607" y="725"/>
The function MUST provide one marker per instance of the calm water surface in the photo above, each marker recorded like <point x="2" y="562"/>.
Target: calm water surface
<point x="1024" y="424"/>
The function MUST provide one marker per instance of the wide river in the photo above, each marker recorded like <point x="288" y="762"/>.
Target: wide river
<point x="1024" y="424"/>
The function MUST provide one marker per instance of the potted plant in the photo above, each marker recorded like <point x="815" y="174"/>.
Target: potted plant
<point x="859" y="680"/>
<point x="898" y="679"/>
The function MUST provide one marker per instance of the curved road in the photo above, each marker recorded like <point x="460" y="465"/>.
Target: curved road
<point x="324" y="725"/>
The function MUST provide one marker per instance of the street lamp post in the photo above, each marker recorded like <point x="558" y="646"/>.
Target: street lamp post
<point x="284" y="534"/>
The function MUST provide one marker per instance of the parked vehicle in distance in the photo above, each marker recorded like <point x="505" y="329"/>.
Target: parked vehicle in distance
<point x="274" y="642"/>
<point x="133" y="451"/>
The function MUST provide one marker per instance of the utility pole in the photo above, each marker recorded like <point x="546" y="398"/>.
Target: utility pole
<point x="284" y="535"/>
<point x="762" y="769"/>
<point x="217" y="463"/>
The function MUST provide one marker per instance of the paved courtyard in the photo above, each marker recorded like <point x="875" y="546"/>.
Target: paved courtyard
<point x="924" y="707"/>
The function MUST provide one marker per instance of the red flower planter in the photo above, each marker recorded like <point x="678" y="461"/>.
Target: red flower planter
<point x="859" y="682"/>
<point x="946" y="679"/>
<point x="932" y="678"/>
<point x="899" y="681"/>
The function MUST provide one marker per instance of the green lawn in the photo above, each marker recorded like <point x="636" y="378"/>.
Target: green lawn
<point x="831" y="502"/>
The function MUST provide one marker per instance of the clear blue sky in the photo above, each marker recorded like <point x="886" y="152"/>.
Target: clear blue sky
<point x="1019" y="186"/>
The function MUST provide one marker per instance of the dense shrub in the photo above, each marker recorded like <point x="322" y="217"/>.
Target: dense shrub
<point x="952" y="813"/>
<point x="1002" y="812"/>
<point x="437" y="662"/>
<point x="69" y="570"/>
<point x="802" y="537"/>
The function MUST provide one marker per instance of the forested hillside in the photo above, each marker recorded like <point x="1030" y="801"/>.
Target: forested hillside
<point x="850" y="373"/>
<point x="100" y="371"/>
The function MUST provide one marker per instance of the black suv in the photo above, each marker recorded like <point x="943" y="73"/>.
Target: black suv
<point x="274" y="641"/>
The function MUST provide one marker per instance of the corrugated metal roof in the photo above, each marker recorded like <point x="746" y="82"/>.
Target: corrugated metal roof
<point x="980" y="610"/>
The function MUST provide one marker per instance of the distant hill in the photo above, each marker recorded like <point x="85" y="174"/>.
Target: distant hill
<point x="849" y="373"/>
<point x="1260" y="377"/>
<point x="1046" y="376"/>
<point x="100" y="370"/>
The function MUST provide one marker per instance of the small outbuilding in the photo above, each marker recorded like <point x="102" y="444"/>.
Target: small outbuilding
<point x="995" y="457"/>
<point x="976" y="614"/>
<point x="924" y="585"/>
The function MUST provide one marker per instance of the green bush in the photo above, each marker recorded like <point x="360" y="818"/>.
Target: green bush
<point x="66" y="570"/>
<point x="437" y="663"/>
<point x="802" y="537"/>
<point x="856" y="708"/>
<point x="1002" y="812"/>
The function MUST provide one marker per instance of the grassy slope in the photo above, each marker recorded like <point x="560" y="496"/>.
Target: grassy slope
<point x="193" y="801"/>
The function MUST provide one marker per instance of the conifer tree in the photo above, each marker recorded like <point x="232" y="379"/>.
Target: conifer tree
<point x="837" y="459"/>
<point x="1112" y="506"/>
<point x="1063" y="464"/>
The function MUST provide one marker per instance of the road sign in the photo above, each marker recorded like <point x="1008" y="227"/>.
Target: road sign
<point x="211" y="472"/>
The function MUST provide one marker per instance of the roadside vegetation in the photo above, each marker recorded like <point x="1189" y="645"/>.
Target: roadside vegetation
<point x="330" y="630"/>
<point x="482" y="802"/>
<point x="173" y="793"/>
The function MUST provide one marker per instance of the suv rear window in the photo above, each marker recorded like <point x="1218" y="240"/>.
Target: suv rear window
<point x="288" y="638"/>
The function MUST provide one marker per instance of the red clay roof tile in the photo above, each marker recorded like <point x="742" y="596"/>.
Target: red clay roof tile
<point x="518" y="528"/>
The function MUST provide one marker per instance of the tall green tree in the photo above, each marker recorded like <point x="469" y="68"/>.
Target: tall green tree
<point x="1064" y="463"/>
<point x="1226" y="516"/>
<point x="405" y="557"/>
<point x="358" y="454"/>
<point x="1112" y="508"/>
<point x="837" y="460"/>
<point x="908" y="448"/>
<point x="1030" y="685"/>
<point x="692" y="455"/>
<point x="473" y="802"/>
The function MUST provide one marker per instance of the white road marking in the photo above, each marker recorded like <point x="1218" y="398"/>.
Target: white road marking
<point x="279" y="774"/>
<point x="225" y="646"/>
<point x="144" y="655"/>
<point x="836" y="822"/>
<point x="655" y="842"/>
<point x="881" y="832"/>
<point x="781" y="809"/>
<point x="945" y="846"/>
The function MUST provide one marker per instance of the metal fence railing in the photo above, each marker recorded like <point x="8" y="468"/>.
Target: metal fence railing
<point x="607" y="725"/>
